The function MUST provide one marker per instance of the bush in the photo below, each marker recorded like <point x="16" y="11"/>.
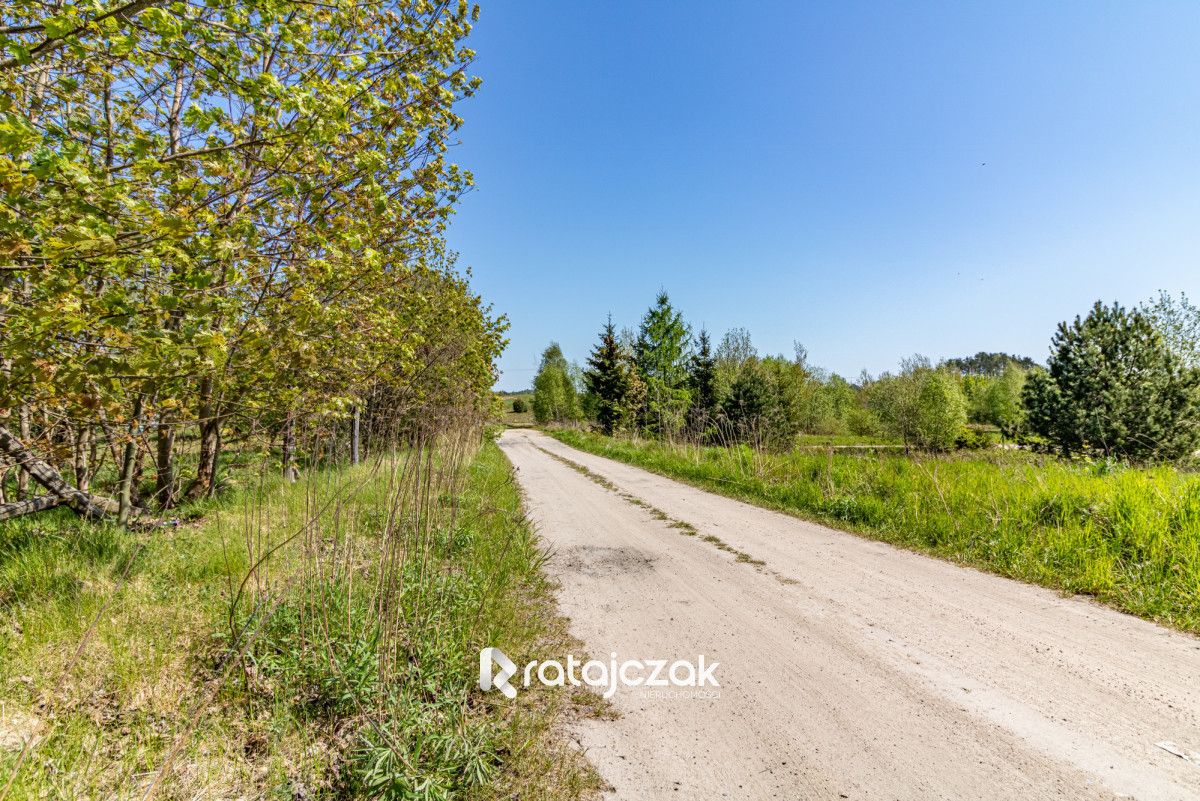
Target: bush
<point x="972" y="440"/>
<point x="519" y="406"/>
<point x="863" y="422"/>
<point x="920" y="406"/>
<point x="941" y="411"/>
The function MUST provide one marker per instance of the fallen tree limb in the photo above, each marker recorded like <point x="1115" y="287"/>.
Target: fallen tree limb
<point x="42" y="502"/>
<point x="86" y="504"/>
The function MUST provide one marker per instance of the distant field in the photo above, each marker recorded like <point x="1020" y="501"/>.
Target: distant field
<point x="1128" y="536"/>
<point x="518" y="419"/>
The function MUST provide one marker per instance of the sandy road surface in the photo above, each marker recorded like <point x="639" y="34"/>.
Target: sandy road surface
<point x="848" y="668"/>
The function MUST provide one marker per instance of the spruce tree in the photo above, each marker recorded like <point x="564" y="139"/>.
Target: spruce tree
<point x="746" y="406"/>
<point x="607" y="380"/>
<point x="661" y="354"/>
<point x="702" y="383"/>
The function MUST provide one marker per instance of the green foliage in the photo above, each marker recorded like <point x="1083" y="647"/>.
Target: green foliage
<point x="1130" y="537"/>
<point x="834" y="408"/>
<point x="555" y="399"/>
<point x="734" y="395"/>
<point x="702" y="385"/>
<point x="1178" y="320"/>
<point x="920" y="406"/>
<point x="987" y="364"/>
<point x="1114" y="387"/>
<point x="746" y="408"/>
<point x="941" y="411"/>
<point x="519" y="406"/>
<point x="974" y="439"/>
<point x="1001" y="401"/>
<point x="615" y="389"/>
<point x="734" y="350"/>
<point x="229" y="217"/>
<point x="661" y="353"/>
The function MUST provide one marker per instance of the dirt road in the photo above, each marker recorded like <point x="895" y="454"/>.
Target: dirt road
<point x="848" y="668"/>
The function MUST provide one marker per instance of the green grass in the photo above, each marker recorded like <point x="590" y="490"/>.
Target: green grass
<point x="842" y="440"/>
<point x="518" y="419"/>
<point x="1130" y="537"/>
<point x="357" y="641"/>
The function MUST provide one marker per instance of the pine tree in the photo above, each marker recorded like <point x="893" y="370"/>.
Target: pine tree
<point x="607" y="380"/>
<point x="1115" y="387"/>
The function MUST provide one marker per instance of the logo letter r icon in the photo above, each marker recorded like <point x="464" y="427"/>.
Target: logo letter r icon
<point x="499" y="680"/>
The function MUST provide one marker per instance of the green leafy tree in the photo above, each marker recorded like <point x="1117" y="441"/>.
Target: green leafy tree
<point x="230" y="219"/>
<point x="921" y="406"/>
<point x="941" y="410"/>
<point x="661" y="355"/>
<point x="1115" y="387"/>
<point x="843" y="402"/>
<point x="733" y="351"/>
<point x="793" y="400"/>
<point x="893" y="398"/>
<point x="1001" y="401"/>
<point x="554" y="396"/>
<point x="1178" y="320"/>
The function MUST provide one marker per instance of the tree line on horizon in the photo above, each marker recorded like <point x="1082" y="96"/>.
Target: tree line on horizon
<point x="1122" y="383"/>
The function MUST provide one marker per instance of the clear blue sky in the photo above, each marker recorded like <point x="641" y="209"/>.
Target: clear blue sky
<point x="871" y="179"/>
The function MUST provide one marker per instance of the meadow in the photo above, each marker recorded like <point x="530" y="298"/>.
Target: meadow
<point x="1129" y="536"/>
<point x="310" y="640"/>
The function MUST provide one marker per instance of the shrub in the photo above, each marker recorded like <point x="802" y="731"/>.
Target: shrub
<point x="941" y="411"/>
<point x="519" y="406"/>
<point x="920" y="406"/>
<point x="970" y="439"/>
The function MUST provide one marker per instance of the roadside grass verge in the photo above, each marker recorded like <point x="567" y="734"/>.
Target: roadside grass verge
<point x="316" y="640"/>
<point x="844" y="440"/>
<point x="1128" y="536"/>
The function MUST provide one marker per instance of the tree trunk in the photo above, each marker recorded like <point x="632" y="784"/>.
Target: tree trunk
<point x="128" y="462"/>
<point x="354" y="435"/>
<point x="164" y="464"/>
<point x="22" y="476"/>
<point x="82" y="502"/>
<point x="83" y="452"/>
<point x="210" y="444"/>
<point x="206" y="470"/>
<point x="40" y="503"/>
<point x="289" y="450"/>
